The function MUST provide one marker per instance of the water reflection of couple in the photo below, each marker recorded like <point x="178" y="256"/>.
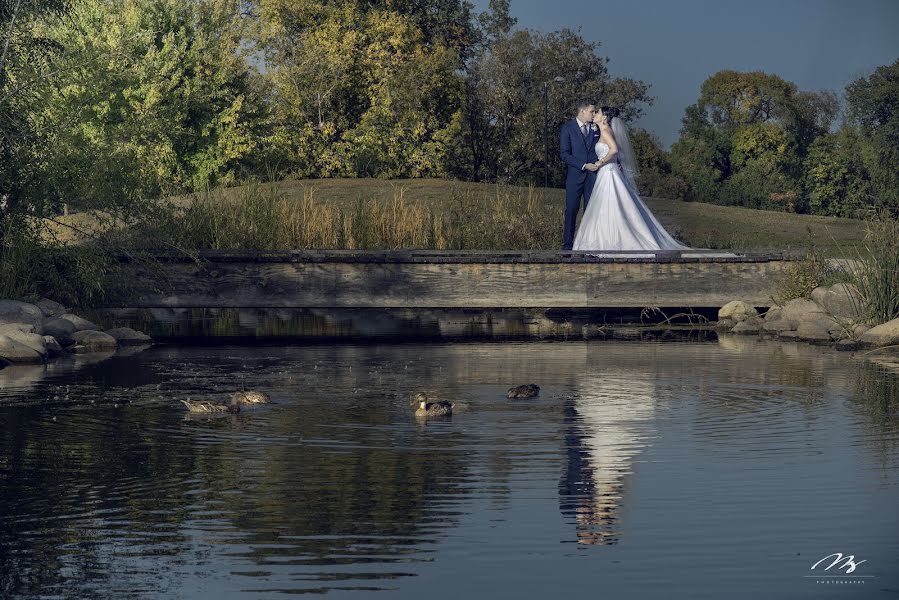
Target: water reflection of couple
<point x="606" y="426"/>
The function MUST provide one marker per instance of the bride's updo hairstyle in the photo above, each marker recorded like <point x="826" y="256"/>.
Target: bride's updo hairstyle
<point x="609" y="112"/>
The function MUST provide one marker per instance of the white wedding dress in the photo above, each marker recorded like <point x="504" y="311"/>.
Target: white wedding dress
<point x="616" y="218"/>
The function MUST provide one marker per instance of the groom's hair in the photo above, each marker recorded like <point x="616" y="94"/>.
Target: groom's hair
<point x="584" y="103"/>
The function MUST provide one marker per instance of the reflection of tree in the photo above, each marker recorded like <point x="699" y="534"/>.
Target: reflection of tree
<point x="876" y="391"/>
<point x="605" y="430"/>
<point x="104" y="496"/>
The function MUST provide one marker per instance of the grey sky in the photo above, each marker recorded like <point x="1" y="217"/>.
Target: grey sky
<point x="676" y="45"/>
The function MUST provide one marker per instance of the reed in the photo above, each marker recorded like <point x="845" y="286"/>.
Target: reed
<point x="876" y="269"/>
<point x="266" y="218"/>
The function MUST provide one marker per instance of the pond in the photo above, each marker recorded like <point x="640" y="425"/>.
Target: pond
<point x="700" y="469"/>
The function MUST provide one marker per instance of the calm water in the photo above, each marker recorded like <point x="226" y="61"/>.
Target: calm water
<point x="700" y="470"/>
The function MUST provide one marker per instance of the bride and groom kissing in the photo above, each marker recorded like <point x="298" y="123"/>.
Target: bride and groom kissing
<point x="602" y="169"/>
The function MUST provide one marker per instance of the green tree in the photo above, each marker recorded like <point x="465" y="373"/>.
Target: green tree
<point x="506" y="135"/>
<point x="745" y="140"/>
<point x="362" y="89"/>
<point x="836" y="179"/>
<point x="732" y="99"/>
<point x="656" y="177"/>
<point x="151" y="96"/>
<point x="874" y="105"/>
<point x="26" y="58"/>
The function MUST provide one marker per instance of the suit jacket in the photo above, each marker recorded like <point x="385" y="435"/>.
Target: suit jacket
<point x="575" y="149"/>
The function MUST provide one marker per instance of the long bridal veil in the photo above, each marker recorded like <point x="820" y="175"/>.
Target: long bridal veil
<point x="626" y="157"/>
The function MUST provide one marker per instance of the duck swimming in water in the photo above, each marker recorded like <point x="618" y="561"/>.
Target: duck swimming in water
<point x="418" y="398"/>
<point x="202" y="406"/>
<point x="250" y="397"/>
<point x="441" y="408"/>
<point x="529" y="390"/>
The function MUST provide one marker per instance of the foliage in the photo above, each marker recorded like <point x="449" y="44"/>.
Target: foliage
<point x="730" y="100"/>
<point x="656" y="177"/>
<point x="753" y="139"/>
<point x="801" y="277"/>
<point x="701" y="165"/>
<point x="152" y="96"/>
<point x="363" y="90"/>
<point x="32" y="267"/>
<point x="509" y="83"/>
<point x="874" y="105"/>
<point x="836" y="179"/>
<point x="24" y="55"/>
<point x="108" y="105"/>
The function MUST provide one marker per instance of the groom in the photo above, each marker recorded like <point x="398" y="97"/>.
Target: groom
<point x="577" y="141"/>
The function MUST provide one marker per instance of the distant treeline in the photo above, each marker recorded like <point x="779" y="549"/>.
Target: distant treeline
<point x="106" y="103"/>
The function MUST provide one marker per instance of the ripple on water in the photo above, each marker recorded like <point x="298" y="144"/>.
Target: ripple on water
<point x="713" y="454"/>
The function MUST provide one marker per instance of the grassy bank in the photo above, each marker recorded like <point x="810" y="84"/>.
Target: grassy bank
<point x="371" y="213"/>
<point x="435" y="214"/>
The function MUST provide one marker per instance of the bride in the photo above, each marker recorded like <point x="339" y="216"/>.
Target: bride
<point x="616" y="218"/>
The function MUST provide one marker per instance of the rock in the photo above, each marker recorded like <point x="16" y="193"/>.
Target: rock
<point x="788" y="335"/>
<point x="777" y="325"/>
<point x="53" y="347"/>
<point x="813" y="331"/>
<point x="132" y="350"/>
<point x="725" y="324"/>
<point x="886" y="334"/>
<point x="775" y="313"/>
<point x="93" y="341"/>
<point x="749" y="326"/>
<point x="841" y="300"/>
<point x="859" y="330"/>
<point x="840" y="334"/>
<point x="17" y="352"/>
<point x="61" y="329"/>
<point x="125" y="336"/>
<point x="32" y="340"/>
<point x="13" y="311"/>
<point x="79" y="323"/>
<point x="801" y="309"/>
<point x="51" y="308"/>
<point x="736" y="311"/>
<point x="21" y="327"/>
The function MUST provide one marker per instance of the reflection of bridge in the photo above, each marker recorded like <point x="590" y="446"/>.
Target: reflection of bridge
<point x="399" y="286"/>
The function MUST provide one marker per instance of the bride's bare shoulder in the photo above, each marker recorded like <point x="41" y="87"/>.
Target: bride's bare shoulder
<point x="608" y="138"/>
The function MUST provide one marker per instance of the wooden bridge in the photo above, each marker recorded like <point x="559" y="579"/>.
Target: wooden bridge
<point x="411" y="291"/>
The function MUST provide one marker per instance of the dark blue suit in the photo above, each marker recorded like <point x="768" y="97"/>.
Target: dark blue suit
<point x="576" y="151"/>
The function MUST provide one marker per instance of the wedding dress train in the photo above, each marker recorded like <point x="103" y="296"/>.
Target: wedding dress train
<point x="616" y="218"/>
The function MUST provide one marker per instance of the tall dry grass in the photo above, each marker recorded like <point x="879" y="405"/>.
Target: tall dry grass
<point x="876" y="269"/>
<point x="265" y="218"/>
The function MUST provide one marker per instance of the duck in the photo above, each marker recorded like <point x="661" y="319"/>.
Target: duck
<point x="529" y="390"/>
<point x="418" y="398"/>
<point x="250" y="397"/>
<point x="202" y="406"/>
<point x="441" y="408"/>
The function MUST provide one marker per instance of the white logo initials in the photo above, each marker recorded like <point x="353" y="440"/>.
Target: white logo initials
<point x="849" y="561"/>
